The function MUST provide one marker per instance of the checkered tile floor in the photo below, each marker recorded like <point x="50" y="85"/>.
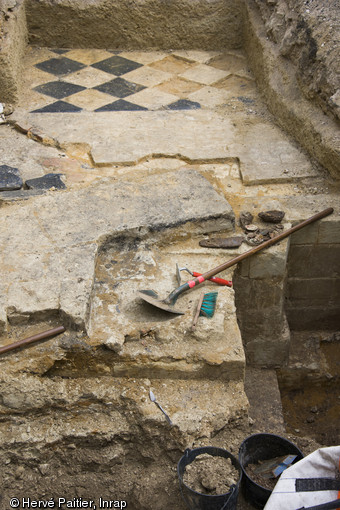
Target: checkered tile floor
<point x="107" y="81"/>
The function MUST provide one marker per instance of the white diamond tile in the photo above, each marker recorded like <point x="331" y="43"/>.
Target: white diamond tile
<point x="144" y="57"/>
<point x="89" y="77"/>
<point x="88" y="57"/>
<point x="147" y="76"/>
<point x="90" y="99"/>
<point x="210" y="96"/>
<point x="152" y="98"/>
<point x="197" y="56"/>
<point x="204" y="74"/>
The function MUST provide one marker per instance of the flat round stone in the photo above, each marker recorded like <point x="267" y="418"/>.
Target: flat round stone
<point x="251" y="228"/>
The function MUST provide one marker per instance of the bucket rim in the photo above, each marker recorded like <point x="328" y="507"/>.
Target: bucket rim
<point x="262" y="434"/>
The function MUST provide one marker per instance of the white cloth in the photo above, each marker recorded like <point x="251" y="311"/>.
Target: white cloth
<point x="323" y="463"/>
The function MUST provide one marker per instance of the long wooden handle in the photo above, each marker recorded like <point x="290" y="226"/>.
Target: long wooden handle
<point x="276" y="239"/>
<point x="31" y="339"/>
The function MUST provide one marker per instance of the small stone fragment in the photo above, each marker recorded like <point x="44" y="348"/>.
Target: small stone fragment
<point x="254" y="241"/>
<point x="252" y="228"/>
<point x="271" y="216"/>
<point x="48" y="181"/>
<point x="44" y="469"/>
<point x="225" y="243"/>
<point x="245" y="218"/>
<point x="9" y="178"/>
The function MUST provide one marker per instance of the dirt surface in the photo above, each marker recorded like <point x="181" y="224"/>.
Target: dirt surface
<point x="267" y="483"/>
<point x="313" y="410"/>
<point x="209" y="474"/>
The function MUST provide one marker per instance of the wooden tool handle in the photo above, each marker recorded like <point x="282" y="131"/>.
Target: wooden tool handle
<point x="270" y="242"/>
<point x="198" y="309"/>
<point x="31" y="339"/>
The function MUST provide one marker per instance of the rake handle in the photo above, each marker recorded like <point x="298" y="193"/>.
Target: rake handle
<point x="205" y="276"/>
<point x="270" y="242"/>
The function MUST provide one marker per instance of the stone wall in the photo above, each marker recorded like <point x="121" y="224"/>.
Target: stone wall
<point x="259" y="284"/>
<point x="13" y="40"/>
<point x="292" y="287"/>
<point x="307" y="35"/>
<point x="313" y="285"/>
<point x="136" y="24"/>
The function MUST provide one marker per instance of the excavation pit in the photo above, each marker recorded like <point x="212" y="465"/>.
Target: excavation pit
<point x="232" y="118"/>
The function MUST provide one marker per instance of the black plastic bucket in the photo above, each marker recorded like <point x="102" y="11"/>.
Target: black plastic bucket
<point x="197" y="501"/>
<point x="260" y="447"/>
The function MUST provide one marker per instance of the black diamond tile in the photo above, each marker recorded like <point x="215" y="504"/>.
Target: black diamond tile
<point x="58" y="89"/>
<point x="59" y="51"/>
<point x="60" y="66"/>
<point x="58" y="107"/>
<point x="120" y="105"/>
<point x="117" y="65"/>
<point x="119" y="87"/>
<point x="183" y="104"/>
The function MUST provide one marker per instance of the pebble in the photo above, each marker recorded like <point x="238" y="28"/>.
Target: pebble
<point x="44" y="469"/>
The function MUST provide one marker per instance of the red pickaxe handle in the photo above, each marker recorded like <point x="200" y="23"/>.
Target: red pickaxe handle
<point x="215" y="279"/>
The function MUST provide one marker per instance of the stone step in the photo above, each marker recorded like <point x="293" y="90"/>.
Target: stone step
<point x="148" y="342"/>
<point x="110" y="408"/>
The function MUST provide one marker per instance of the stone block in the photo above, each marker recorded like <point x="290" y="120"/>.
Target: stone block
<point x="47" y="182"/>
<point x="270" y="263"/>
<point x="14" y="196"/>
<point x="329" y="231"/>
<point x="267" y="156"/>
<point x="243" y="268"/>
<point x="310" y="261"/>
<point x="9" y="178"/>
<point x="256" y="294"/>
<point x="307" y="235"/>
<point x="32" y="299"/>
<point x="270" y="351"/>
<point x="313" y="292"/>
<point x="316" y="318"/>
<point x="261" y="324"/>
